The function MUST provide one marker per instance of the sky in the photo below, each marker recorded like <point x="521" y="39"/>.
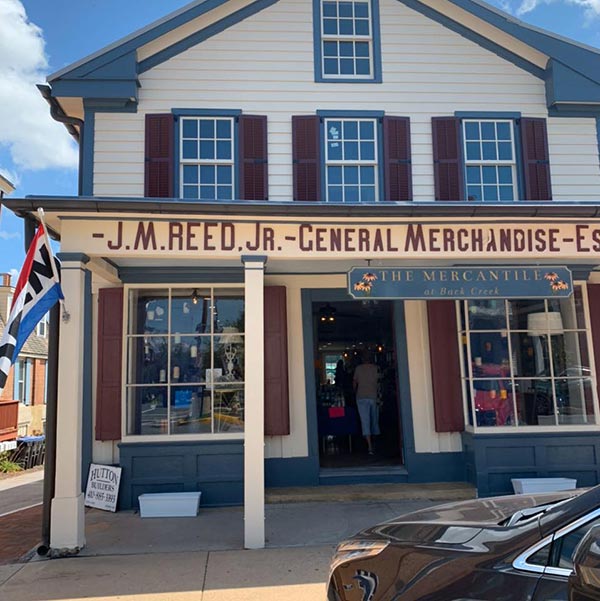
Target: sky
<point x="39" y="37"/>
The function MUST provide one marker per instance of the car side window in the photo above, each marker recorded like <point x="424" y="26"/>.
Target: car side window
<point x="563" y="548"/>
<point x="541" y="557"/>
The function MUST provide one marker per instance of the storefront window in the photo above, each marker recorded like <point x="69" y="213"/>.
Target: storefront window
<point x="527" y="363"/>
<point x="185" y="361"/>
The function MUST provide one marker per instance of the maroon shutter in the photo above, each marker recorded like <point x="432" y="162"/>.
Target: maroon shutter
<point x="397" y="158"/>
<point x="447" y="159"/>
<point x="306" y="157"/>
<point x="277" y="405"/>
<point x="536" y="159"/>
<point x="253" y="157"/>
<point x="445" y="366"/>
<point x="159" y="160"/>
<point x="593" y="291"/>
<point x="110" y="348"/>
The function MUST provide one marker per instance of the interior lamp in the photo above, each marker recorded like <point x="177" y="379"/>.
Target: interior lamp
<point x="542" y="323"/>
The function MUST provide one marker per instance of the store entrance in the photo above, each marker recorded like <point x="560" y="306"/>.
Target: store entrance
<point x="349" y="333"/>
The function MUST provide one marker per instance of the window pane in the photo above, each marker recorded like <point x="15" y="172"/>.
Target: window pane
<point x="330" y="26"/>
<point x="148" y="311"/>
<point x="207" y="128"/>
<point x="223" y="128"/>
<point x="350" y="151"/>
<point x="505" y="151"/>
<point x="330" y="66"/>
<point x="190" y="149"/>
<point x="147" y="360"/>
<point x="367" y="194"/>
<point x="535" y="403"/>
<point x="350" y="130"/>
<point x="223" y="150"/>
<point x="488" y="130"/>
<point x="493" y="403"/>
<point x="472" y="130"/>
<point x="335" y="194"/>
<point x="362" y="27"/>
<point x="490" y="354"/>
<point x="361" y="9"/>
<point x="190" y="358"/>
<point x="345" y="9"/>
<point x="207" y="149"/>
<point x="487" y="315"/>
<point x="519" y="311"/>
<point x="330" y="49"/>
<point x="351" y="175"/>
<point x="190" y="410"/>
<point x="352" y="194"/>
<point x="229" y="409"/>
<point x="473" y="151"/>
<point x="207" y="174"/>
<point x="189" y="128"/>
<point x="367" y="130"/>
<point x="147" y="411"/>
<point x="570" y="356"/>
<point x="473" y="175"/>
<point x="334" y="175"/>
<point x="504" y="131"/>
<point x="329" y="9"/>
<point x="574" y="401"/>
<point x="229" y="355"/>
<point x="190" y="174"/>
<point x="367" y="175"/>
<point x="531" y="354"/>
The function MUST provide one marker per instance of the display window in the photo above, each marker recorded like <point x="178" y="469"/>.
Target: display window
<point x="527" y="363"/>
<point x="185" y="361"/>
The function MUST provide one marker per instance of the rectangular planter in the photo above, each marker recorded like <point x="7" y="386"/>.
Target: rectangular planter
<point x="169" y="504"/>
<point x="533" y="485"/>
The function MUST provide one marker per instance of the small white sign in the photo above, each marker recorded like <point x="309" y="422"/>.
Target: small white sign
<point x="102" y="488"/>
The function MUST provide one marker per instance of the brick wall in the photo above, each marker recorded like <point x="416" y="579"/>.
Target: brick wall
<point x="38" y="381"/>
<point x="7" y="393"/>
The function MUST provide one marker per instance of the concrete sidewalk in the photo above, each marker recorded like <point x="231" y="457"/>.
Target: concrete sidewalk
<point x="201" y="559"/>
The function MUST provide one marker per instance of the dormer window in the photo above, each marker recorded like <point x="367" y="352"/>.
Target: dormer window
<point x="347" y="46"/>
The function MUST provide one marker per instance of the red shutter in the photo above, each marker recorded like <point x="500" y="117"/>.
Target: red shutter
<point x="536" y="159"/>
<point x="110" y="348"/>
<point x="159" y="160"/>
<point x="593" y="291"/>
<point x="277" y="404"/>
<point x="445" y="366"/>
<point x="447" y="159"/>
<point x="397" y="158"/>
<point x="253" y="158"/>
<point x="306" y="157"/>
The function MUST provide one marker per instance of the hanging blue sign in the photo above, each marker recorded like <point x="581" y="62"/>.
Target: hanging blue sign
<point x="481" y="282"/>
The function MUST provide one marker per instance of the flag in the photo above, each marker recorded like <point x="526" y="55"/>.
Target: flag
<point x="38" y="289"/>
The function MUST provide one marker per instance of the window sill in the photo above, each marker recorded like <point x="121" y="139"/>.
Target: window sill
<point x="502" y="430"/>
<point x="175" y="438"/>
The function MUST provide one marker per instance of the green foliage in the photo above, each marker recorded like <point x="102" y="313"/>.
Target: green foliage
<point x="7" y="466"/>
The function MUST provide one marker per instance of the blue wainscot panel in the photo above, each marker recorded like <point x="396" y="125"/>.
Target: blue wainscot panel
<point x="492" y="460"/>
<point x="215" y="468"/>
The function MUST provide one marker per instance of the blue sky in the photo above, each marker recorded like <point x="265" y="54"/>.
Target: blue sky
<point x="38" y="37"/>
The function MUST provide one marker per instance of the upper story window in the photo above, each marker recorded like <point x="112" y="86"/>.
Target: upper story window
<point x="351" y="161"/>
<point x="491" y="157"/>
<point x="22" y="381"/>
<point x="207" y="158"/>
<point x="42" y="327"/>
<point x="527" y="363"/>
<point x="347" y="47"/>
<point x="490" y="160"/>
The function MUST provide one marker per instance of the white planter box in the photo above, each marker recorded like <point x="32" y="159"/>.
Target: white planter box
<point x="169" y="504"/>
<point x="532" y="485"/>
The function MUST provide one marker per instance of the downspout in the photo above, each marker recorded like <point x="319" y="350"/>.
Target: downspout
<point x="57" y="113"/>
<point x="53" y="337"/>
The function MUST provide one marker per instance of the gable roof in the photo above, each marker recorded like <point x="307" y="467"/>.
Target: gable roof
<point x="36" y="346"/>
<point x="110" y="75"/>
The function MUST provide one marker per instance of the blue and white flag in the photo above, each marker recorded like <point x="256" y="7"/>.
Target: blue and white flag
<point x="38" y="289"/>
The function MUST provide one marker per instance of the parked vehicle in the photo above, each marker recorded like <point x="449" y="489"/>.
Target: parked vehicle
<point x="512" y="548"/>
<point x="584" y="582"/>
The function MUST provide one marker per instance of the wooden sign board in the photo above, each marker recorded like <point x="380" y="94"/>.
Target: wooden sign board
<point x="102" y="490"/>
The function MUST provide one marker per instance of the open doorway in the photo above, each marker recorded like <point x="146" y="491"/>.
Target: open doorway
<point x="345" y="333"/>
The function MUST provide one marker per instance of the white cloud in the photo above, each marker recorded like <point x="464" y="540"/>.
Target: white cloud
<point x="34" y="140"/>
<point x="591" y="7"/>
<point x="14" y="274"/>
<point x="9" y="235"/>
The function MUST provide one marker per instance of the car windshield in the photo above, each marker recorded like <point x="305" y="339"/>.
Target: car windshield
<point x="530" y="513"/>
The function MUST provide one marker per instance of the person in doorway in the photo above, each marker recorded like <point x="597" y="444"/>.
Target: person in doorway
<point x="365" y="380"/>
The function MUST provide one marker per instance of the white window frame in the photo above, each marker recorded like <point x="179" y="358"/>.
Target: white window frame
<point x="210" y="162"/>
<point x="347" y="38"/>
<point x="351" y="163"/>
<point x="467" y="378"/>
<point x="124" y="366"/>
<point x="492" y="163"/>
<point x="41" y="328"/>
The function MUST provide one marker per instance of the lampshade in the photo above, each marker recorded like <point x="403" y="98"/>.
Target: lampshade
<point x="540" y="324"/>
<point x="233" y="335"/>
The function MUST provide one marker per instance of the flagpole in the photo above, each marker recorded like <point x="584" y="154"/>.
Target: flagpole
<point x="65" y="314"/>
